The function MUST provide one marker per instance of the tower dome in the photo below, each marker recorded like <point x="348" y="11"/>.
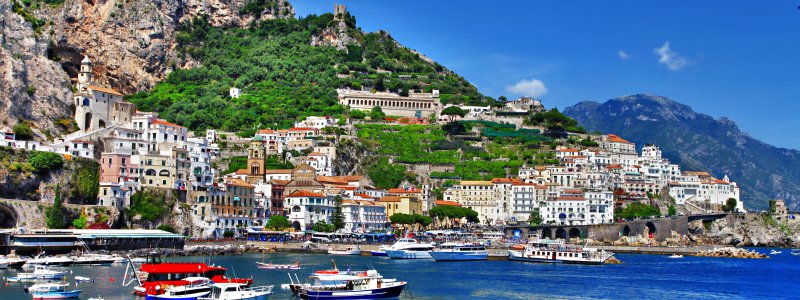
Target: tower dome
<point x="86" y="60"/>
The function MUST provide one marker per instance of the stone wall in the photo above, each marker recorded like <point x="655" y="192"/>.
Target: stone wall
<point x="661" y="228"/>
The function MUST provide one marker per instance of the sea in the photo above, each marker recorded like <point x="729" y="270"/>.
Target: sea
<point x="638" y="277"/>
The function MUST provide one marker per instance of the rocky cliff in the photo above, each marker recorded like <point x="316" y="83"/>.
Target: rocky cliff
<point x="131" y="43"/>
<point x="699" y="142"/>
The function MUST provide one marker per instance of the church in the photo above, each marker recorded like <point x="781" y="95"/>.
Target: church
<point x="94" y="105"/>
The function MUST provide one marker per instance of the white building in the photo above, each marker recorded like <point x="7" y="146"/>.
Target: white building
<point x="317" y="122"/>
<point x="235" y="92"/>
<point x="363" y="216"/>
<point x="306" y="208"/>
<point x="93" y="104"/>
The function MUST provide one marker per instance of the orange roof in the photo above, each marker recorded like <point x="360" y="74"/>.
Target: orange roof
<point x="302" y="193"/>
<point x="331" y="179"/>
<point x="390" y="199"/>
<point x="616" y="139"/>
<point x="279" y="182"/>
<point x="302" y="129"/>
<point x="719" y="181"/>
<point x="239" y="182"/>
<point x="568" y="150"/>
<point x="403" y="191"/>
<point x="447" y="203"/>
<point x="576" y="156"/>
<point x="278" y="171"/>
<point x="242" y="172"/>
<point x="315" y="154"/>
<point x="362" y="195"/>
<point x="266" y="131"/>
<point x="505" y="180"/>
<point x="346" y="187"/>
<point x="614" y="167"/>
<point x="104" y="90"/>
<point x="165" y="123"/>
<point x="570" y="198"/>
<point x="82" y="141"/>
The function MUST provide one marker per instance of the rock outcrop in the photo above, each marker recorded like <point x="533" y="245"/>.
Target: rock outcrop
<point x="756" y="230"/>
<point x="732" y="253"/>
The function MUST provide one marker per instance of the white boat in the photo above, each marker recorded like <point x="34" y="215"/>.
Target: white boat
<point x="43" y="260"/>
<point x="774" y="252"/>
<point x="39" y="273"/>
<point x="270" y="266"/>
<point x="197" y="287"/>
<point x="676" y="256"/>
<point x="46" y="287"/>
<point x="94" y="259"/>
<point x="348" y="251"/>
<point x="406" y="248"/>
<point x="555" y="251"/>
<point x="3" y="263"/>
<point x="381" y="251"/>
<point x="356" y="285"/>
<point x="13" y="261"/>
<point x="51" y="291"/>
<point x="455" y="251"/>
<point x="236" y="291"/>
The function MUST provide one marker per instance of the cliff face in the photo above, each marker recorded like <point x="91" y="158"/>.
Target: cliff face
<point x="130" y="42"/>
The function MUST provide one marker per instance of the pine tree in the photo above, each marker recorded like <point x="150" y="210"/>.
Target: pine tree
<point x="55" y="215"/>
<point x="337" y="217"/>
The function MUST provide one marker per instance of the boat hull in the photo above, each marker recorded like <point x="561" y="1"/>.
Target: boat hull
<point x="192" y="296"/>
<point x="378" y="253"/>
<point x="57" y="295"/>
<point x="380" y="293"/>
<point x="406" y="254"/>
<point x="458" y="256"/>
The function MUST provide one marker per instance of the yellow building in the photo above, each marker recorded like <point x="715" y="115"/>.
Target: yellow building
<point x="401" y="204"/>
<point x="479" y="196"/>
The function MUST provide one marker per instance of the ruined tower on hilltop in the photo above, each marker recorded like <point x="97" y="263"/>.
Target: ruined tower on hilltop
<point x="339" y="10"/>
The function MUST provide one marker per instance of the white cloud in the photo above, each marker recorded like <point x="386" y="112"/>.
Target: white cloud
<point x="623" y="55"/>
<point x="670" y="58"/>
<point x="528" y="87"/>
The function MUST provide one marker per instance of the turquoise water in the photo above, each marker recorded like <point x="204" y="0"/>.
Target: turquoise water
<point x="639" y="277"/>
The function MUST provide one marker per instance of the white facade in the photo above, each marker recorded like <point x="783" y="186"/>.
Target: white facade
<point x="317" y="122"/>
<point x="306" y="208"/>
<point x="363" y="216"/>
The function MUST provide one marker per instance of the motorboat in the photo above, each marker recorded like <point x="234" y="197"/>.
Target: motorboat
<point x="774" y="252"/>
<point x="44" y="260"/>
<point x="14" y="261"/>
<point x="196" y="287"/>
<point x="155" y="273"/>
<point x="348" y="251"/>
<point x="360" y="285"/>
<point x="676" y="256"/>
<point x="3" y="263"/>
<point x="79" y="279"/>
<point x="556" y="251"/>
<point x="407" y="248"/>
<point x="455" y="251"/>
<point x="46" y="287"/>
<point x="380" y="252"/>
<point x="39" y="273"/>
<point x="94" y="259"/>
<point x="236" y="291"/>
<point x="271" y="266"/>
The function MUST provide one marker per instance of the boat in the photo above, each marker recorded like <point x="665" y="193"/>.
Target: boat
<point x="795" y="252"/>
<point x="380" y="252"/>
<point x="556" y="251"/>
<point x="73" y="294"/>
<point x="237" y="291"/>
<point x="349" y="251"/>
<point x="774" y="252"/>
<point x="3" y="263"/>
<point x="14" y="261"/>
<point x="407" y="248"/>
<point x="46" y="287"/>
<point x="455" y="251"/>
<point x="361" y="285"/>
<point x="270" y="266"/>
<point x="155" y="273"/>
<point x="94" y="259"/>
<point x="79" y="279"/>
<point x="194" y="288"/>
<point x="44" y="260"/>
<point x="39" y="273"/>
<point x="676" y="256"/>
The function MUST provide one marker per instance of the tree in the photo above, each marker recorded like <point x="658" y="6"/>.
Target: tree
<point x="376" y="113"/>
<point x="423" y="221"/>
<point x="80" y="223"/>
<point x="502" y="98"/>
<point x="278" y="222"/>
<point x="337" y="217"/>
<point x="357" y="114"/>
<point x="322" y="226"/>
<point x="730" y="205"/>
<point x="55" y="215"/>
<point x="22" y="131"/>
<point x="536" y="218"/>
<point x="637" y="210"/>
<point x="671" y="211"/>
<point x="386" y="175"/>
<point x="452" y="111"/>
<point x="228" y="234"/>
<point x="44" y="161"/>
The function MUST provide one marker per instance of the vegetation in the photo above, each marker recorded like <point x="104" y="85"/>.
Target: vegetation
<point x="85" y="182"/>
<point x="410" y="219"/>
<point x="228" y="234"/>
<point x="321" y="226"/>
<point x="453" y="213"/>
<point x="637" y="210"/>
<point x="55" y="215"/>
<point x="278" y="222"/>
<point x="730" y="205"/>
<point x="452" y="112"/>
<point x="376" y="113"/>
<point x="237" y="163"/>
<point x="44" y="161"/>
<point x="22" y="131"/>
<point x="80" y="222"/>
<point x="337" y="218"/>
<point x="386" y="175"/>
<point x="555" y="120"/>
<point x="283" y="77"/>
<point x="536" y="218"/>
<point x="150" y="204"/>
<point x="671" y="211"/>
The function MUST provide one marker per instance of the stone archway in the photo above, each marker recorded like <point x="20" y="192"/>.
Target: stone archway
<point x="296" y="225"/>
<point x="561" y="233"/>
<point x="626" y="231"/>
<point x="574" y="233"/>
<point x="547" y="233"/>
<point x="87" y="124"/>
<point x="8" y="217"/>
<point x="650" y="230"/>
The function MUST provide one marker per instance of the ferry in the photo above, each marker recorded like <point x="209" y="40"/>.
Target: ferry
<point x="154" y="274"/>
<point x="407" y="248"/>
<point x="455" y="251"/>
<point x="237" y="291"/>
<point x="555" y="251"/>
<point x="360" y="285"/>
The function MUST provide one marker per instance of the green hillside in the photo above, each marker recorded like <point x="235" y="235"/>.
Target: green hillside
<point x="283" y="77"/>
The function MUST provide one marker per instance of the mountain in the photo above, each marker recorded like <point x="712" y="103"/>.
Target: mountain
<point x="697" y="141"/>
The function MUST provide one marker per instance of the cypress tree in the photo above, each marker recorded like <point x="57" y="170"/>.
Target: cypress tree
<point x="55" y="215"/>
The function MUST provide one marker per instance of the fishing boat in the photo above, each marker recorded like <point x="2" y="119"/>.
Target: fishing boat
<point x="155" y="273"/>
<point x="348" y="251"/>
<point x="361" y="285"/>
<point x="407" y="248"/>
<point x="39" y="273"/>
<point x="46" y="287"/>
<point x="271" y="266"/>
<point x="555" y="251"/>
<point x="380" y="252"/>
<point x="48" y="291"/>
<point x="676" y="256"/>
<point x="774" y="252"/>
<point x="194" y="288"/>
<point x="236" y="291"/>
<point x="455" y="251"/>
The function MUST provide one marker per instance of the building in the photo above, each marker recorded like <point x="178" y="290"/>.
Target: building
<point x="401" y="204"/>
<point x="307" y="208"/>
<point x="525" y="104"/>
<point x="317" y="122"/>
<point x="478" y="196"/>
<point x="233" y="209"/>
<point x="235" y="92"/>
<point x="363" y="216"/>
<point x="415" y="105"/>
<point x="93" y="104"/>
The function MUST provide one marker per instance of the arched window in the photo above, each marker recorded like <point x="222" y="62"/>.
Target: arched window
<point x="296" y="209"/>
<point x="255" y="168"/>
<point x="150" y="172"/>
<point x="86" y="102"/>
<point x="164" y="173"/>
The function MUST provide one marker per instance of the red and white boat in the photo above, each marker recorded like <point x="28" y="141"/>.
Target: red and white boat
<point x="155" y="276"/>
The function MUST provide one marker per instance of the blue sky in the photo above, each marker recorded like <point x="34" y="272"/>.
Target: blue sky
<point x="735" y="59"/>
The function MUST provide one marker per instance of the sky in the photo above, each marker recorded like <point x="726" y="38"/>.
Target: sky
<point x="735" y="59"/>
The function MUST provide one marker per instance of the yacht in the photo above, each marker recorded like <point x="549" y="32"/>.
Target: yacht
<point x="775" y="252"/>
<point x="406" y="248"/>
<point x="237" y="291"/>
<point x="3" y="263"/>
<point x="356" y="285"/>
<point x="41" y="259"/>
<point x="14" y="261"/>
<point x="94" y="259"/>
<point x="196" y="287"/>
<point x="455" y="251"/>
<point x="555" y="251"/>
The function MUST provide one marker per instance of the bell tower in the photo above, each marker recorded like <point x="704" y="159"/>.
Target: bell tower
<point x="85" y="76"/>
<point x="256" y="157"/>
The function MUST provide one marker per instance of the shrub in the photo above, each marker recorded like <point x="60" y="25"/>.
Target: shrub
<point x="23" y="132"/>
<point x="44" y="161"/>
